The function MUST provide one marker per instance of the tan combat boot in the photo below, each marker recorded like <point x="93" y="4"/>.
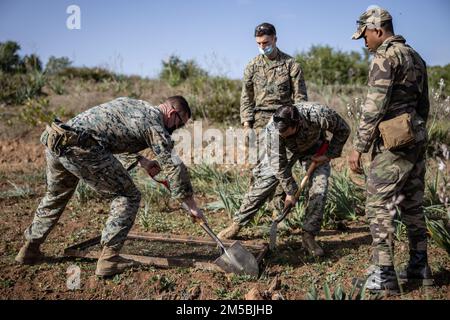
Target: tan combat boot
<point x="310" y="244"/>
<point x="230" y="232"/>
<point x="111" y="263"/>
<point x="29" y="253"/>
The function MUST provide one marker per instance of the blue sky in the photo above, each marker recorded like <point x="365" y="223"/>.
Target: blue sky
<point x="133" y="36"/>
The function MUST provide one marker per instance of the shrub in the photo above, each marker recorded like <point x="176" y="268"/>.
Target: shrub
<point x="32" y="63"/>
<point x="436" y="73"/>
<point x="215" y="98"/>
<point x="325" y="65"/>
<point x="17" y="88"/>
<point x="345" y="200"/>
<point x="57" y="65"/>
<point x="36" y="111"/>
<point x="57" y="85"/>
<point x="175" y="71"/>
<point x="86" y="74"/>
<point x="9" y="58"/>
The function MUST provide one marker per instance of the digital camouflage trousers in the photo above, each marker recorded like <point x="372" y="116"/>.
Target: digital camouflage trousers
<point x="265" y="185"/>
<point x="101" y="171"/>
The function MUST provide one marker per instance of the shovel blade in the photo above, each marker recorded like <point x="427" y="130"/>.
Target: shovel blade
<point x="273" y="235"/>
<point x="241" y="261"/>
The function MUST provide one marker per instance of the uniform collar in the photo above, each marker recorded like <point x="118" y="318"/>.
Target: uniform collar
<point x="383" y="47"/>
<point x="279" y="59"/>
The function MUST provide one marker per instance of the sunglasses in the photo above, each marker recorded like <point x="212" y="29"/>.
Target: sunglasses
<point x="264" y="30"/>
<point x="280" y="119"/>
<point x="288" y="122"/>
<point x="286" y="118"/>
<point x="179" y="118"/>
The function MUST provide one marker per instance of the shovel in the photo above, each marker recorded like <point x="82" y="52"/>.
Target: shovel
<point x="236" y="259"/>
<point x="273" y="228"/>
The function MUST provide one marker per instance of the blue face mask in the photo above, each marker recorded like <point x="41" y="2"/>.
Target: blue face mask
<point x="266" y="51"/>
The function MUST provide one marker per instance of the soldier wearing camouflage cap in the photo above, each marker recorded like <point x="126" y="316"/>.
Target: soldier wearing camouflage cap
<point x="93" y="147"/>
<point x="393" y="120"/>
<point x="271" y="80"/>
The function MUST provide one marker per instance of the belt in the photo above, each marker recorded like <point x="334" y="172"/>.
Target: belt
<point x="58" y="137"/>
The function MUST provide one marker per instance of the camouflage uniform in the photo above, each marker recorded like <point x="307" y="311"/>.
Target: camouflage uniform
<point x="269" y="84"/>
<point x="397" y="85"/>
<point x="121" y="128"/>
<point x="281" y="154"/>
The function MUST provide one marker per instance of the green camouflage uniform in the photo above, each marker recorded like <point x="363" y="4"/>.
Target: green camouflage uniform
<point x="281" y="154"/>
<point x="121" y="128"/>
<point x="269" y="84"/>
<point x="397" y="84"/>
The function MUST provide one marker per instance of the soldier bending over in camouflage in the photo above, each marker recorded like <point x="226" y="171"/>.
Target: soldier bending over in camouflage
<point x="271" y="79"/>
<point x="85" y="148"/>
<point x="295" y="133"/>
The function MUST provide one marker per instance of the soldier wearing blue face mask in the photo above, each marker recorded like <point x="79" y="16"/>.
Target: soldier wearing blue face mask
<point x="271" y="79"/>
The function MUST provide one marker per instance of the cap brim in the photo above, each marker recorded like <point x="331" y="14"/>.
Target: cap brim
<point x="359" y="33"/>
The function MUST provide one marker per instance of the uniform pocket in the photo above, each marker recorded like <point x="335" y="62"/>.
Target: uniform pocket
<point x="259" y="80"/>
<point x="384" y="174"/>
<point x="283" y="82"/>
<point x="397" y="132"/>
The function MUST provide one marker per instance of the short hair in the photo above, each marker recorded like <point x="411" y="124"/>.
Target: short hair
<point x="265" y="29"/>
<point x="180" y="104"/>
<point x="286" y="117"/>
<point x="387" y="26"/>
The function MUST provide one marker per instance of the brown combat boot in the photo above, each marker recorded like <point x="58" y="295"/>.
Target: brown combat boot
<point x="230" y="232"/>
<point x="29" y="253"/>
<point x="310" y="244"/>
<point x="111" y="263"/>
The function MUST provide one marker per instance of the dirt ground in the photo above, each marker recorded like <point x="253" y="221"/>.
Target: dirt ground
<point x="289" y="272"/>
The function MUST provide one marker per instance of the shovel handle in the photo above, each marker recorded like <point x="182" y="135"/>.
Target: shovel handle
<point x="286" y="210"/>
<point x="208" y="230"/>
<point x="206" y="227"/>
<point x="308" y="174"/>
<point x="202" y="223"/>
<point x="322" y="150"/>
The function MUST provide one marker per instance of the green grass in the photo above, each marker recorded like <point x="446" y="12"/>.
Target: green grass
<point x="439" y="233"/>
<point x="84" y="193"/>
<point x="163" y="283"/>
<point x="17" y="192"/>
<point x="355" y="293"/>
<point x="345" y="200"/>
<point x="223" y="293"/>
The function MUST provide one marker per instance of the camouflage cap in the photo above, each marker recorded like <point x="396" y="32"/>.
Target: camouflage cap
<point x="372" y="18"/>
